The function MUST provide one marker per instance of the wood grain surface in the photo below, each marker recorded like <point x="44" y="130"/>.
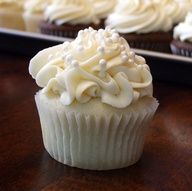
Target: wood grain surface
<point x="166" y="164"/>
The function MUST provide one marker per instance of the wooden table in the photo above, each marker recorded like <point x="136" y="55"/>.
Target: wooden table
<point x="166" y="164"/>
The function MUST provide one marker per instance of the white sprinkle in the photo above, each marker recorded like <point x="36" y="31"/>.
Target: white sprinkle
<point x="132" y="55"/>
<point x="102" y="63"/>
<point x="115" y="37"/>
<point x="90" y="29"/>
<point x="124" y="58"/>
<point x="101" y="49"/>
<point x="131" y="61"/>
<point x="123" y="53"/>
<point x="75" y="63"/>
<point x="100" y="30"/>
<point x="103" y="68"/>
<point x="122" y="48"/>
<point x="69" y="58"/>
<point x="80" y="48"/>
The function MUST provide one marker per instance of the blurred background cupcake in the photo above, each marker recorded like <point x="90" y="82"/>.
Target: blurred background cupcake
<point x="175" y="9"/>
<point x="11" y="14"/>
<point x="67" y="17"/>
<point x="33" y="14"/>
<point x="182" y="43"/>
<point x="143" y="24"/>
<point x="103" y="8"/>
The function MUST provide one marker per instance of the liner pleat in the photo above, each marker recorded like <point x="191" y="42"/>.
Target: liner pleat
<point x="94" y="142"/>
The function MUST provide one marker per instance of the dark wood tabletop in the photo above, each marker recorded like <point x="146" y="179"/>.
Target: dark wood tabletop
<point x="166" y="164"/>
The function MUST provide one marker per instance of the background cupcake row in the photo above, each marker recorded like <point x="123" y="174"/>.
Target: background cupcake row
<point x="146" y="24"/>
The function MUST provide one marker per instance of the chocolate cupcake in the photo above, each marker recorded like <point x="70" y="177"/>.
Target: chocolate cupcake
<point x="182" y="43"/>
<point x="66" y="18"/>
<point x="142" y="24"/>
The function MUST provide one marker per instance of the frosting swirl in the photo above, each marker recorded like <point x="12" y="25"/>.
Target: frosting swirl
<point x="183" y="31"/>
<point x="175" y="9"/>
<point x="69" y="11"/>
<point x="97" y="64"/>
<point x="138" y="16"/>
<point x="36" y="6"/>
<point x="103" y="8"/>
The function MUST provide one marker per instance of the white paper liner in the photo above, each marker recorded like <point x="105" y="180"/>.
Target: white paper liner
<point x="104" y="142"/>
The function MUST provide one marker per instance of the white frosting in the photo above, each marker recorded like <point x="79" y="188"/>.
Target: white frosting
<point x="175" y="9"/>
<point x="97" y="64"/>
<point x="12" y="4"/>
<point x="36" y="6"/>
<point x="138" y="16"/>
<point x="70" y="11"/>
<point x="103" y="8"/>
<point x="183" y="31"/>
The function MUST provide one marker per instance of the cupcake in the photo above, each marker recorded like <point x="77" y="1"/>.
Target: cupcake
<point x="175" y="9"/>
<point x="11" y="14"/>
<point x="103" y="8"/>
<point x="96" y="100"/>
<point x="33" y="14"/>
<point x="182" y="43"/>
<point x="67" y="17"/>
<point x="142" y="24"/>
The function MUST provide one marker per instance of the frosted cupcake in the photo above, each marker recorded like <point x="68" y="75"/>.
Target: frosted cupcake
<point x="103" y="8"/>
<point x="33" y="15"/>
<point x="175" y="9"/>
<point x="96" y="100"/>
<point x="67" y="17"/>
<point x="182" y="43"/>
<point x="142" y="24"/>
<point x="11" y="14"/>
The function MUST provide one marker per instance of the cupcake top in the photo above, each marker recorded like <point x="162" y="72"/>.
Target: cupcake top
<point x="36" y="6"/>
<point x="183" y="31"/>
<point x="12" y="4"/>
<point x="138" y="16"/>
<point x="70" y="11"/>
<point x="175" y="9"/>
<point x="103" y="8"/>
<point x="97" y="64"/>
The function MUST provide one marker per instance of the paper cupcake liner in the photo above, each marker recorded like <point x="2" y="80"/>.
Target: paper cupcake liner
<point x="92" y="142"/>
<point x="181" y="50"/>
<point x="10" y="19"/>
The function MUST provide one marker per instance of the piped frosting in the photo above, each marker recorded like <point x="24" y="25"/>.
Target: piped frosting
<point x="97" y="64"/>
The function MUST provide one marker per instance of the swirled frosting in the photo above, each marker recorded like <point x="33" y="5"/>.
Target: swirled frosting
<point x="138" y="16"/>
<point x="103" y="8"/>
<point x="183" y="31"/>
<point x="36" y="6"/>
<point x="175" y="9"/>
<point x="12" y="4"/>
<point x="97" y="64"/>
<point x="69" y="11"/>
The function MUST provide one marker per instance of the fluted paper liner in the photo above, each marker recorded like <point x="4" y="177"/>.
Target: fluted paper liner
<point x="97" y="142"/>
